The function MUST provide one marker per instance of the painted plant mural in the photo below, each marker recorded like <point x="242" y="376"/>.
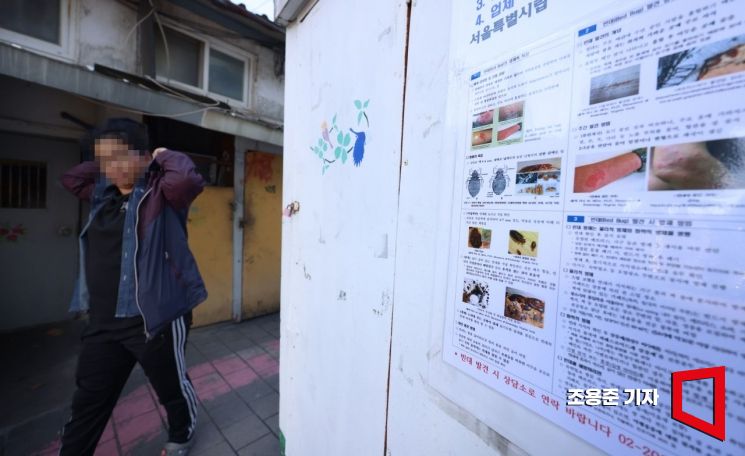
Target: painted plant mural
<point x="336" y="144"/>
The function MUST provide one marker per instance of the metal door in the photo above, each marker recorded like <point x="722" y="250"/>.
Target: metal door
<point x="38" y="228"/>
<point x="343" y="108"/>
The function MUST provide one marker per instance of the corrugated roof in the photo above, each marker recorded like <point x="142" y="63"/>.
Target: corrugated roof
<point x="241" y="10"/>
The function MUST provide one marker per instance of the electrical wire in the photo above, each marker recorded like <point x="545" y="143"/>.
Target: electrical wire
<point x="179" y="94"/>
<point x="168" y="66"/>
<point x="165" y="42"/>
<point x="134" y="27"/>
<point x="201" y="28"/>
<point x="206" y="107"/>
<point x="144" y="113"/>
<point x="153" y="11"/>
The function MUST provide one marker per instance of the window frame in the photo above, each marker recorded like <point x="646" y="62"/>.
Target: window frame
<point x="66" y="48"/>
<point x="203" y="56"/>
<point x="209" y="43"/>
<point x="248" y="62"/>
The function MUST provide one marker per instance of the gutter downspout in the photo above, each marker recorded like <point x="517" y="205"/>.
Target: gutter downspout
<point x="238" y="189"/>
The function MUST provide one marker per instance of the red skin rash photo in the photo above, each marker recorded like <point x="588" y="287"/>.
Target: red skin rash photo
<point x="589" y="178"/>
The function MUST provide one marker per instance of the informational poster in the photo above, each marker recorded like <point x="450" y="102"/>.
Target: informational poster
<point x="599" y="225"/>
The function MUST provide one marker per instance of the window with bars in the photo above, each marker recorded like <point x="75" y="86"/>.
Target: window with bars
<point x="23" y="184"/>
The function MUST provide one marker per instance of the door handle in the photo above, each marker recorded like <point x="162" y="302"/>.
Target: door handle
<point x="64" y="231"/>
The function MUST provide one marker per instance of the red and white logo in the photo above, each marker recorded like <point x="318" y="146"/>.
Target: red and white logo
<point x="715" y="429"/>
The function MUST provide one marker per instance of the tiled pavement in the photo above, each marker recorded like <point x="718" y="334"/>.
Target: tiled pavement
<point x="234" y="369"/>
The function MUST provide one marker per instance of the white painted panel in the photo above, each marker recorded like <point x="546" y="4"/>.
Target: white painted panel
<point x="434" y="408"/>
<point x="338" y="250"/>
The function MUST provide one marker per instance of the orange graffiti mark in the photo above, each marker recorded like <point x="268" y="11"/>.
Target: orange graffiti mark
<point x="260" y="166"/>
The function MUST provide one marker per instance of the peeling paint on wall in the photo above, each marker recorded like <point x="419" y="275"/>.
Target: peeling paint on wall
<point x="195" y="216"/>
<point x="260" y="166"/>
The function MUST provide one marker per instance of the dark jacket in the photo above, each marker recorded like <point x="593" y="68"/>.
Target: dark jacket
<point x="159" y="276"/>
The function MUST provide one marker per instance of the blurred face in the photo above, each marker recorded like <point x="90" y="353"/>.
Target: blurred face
<point x="120" y="164"/>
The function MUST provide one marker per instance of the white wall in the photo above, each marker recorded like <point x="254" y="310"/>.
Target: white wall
<point x="338" y="250"/>
<point x="103" y="26"/>
<point x="101" y="32"/>
<point x="331" y="349"/>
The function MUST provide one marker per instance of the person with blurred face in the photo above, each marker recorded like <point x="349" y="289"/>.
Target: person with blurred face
<point x="138" y="282"/>
<point x="120" y="165"/>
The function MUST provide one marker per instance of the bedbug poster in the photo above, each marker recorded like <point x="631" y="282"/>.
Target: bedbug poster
<point x="474" y="181"/>
<point x="498" y="181"/>
<point x="475" y="293"/>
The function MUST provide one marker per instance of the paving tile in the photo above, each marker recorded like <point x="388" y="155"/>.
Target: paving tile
<point x="200" y="370"/>
<point x="210" y="386"/>
<point x="142" y="428"/>
<point x="212" y="349"/>
<point x="221" y="400"/>
<point x="194" y="357"/>
<point x="265" y="446"/>
<point x="41" y="381"/>
<point x="50" y="449"/>
<point x="254" y="390"/>
<point x="109" y="448"/>
<point x="245" y="431"/>
<point x="199" y="335"/>
<point x="272" y="347"/>
<point x="136" y="379"/>
<point x="273" y="381"/>
<point x="232" y="334"/>
<point x="255" y="320"/>
<point x="163" y="414"/>
<point x="150" y="445"/>
<point x="222" y="449"/>
<point x="264" y="365"/>
<point x="230" y="413"/>
<point x="273" y="423"/>
<point x="206" y="435"/>
<point x="241" y="377"/>
<point x="48" y="423"/>
<point x="240" y="344"/>
<point x="108" y="432"/>
<point x="250" y="352"/>
<point x="228" y="364"/>
<point x="270" y="326"/>
<point x="266" y="406"/>
<point x="260" y="336"/>
<point x="37" y="435"/>
<point x="34" y="445"/>
<point x="134" y="404"/>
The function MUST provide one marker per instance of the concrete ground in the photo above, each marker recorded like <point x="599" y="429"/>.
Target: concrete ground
<point x="234" y="369"/>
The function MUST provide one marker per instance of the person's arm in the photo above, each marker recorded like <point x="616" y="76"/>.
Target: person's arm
<point x="589" y="178"/>
<point x="181" y="183"/>
<point x="686" y="166"/>
<point x="81" y="179"/>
